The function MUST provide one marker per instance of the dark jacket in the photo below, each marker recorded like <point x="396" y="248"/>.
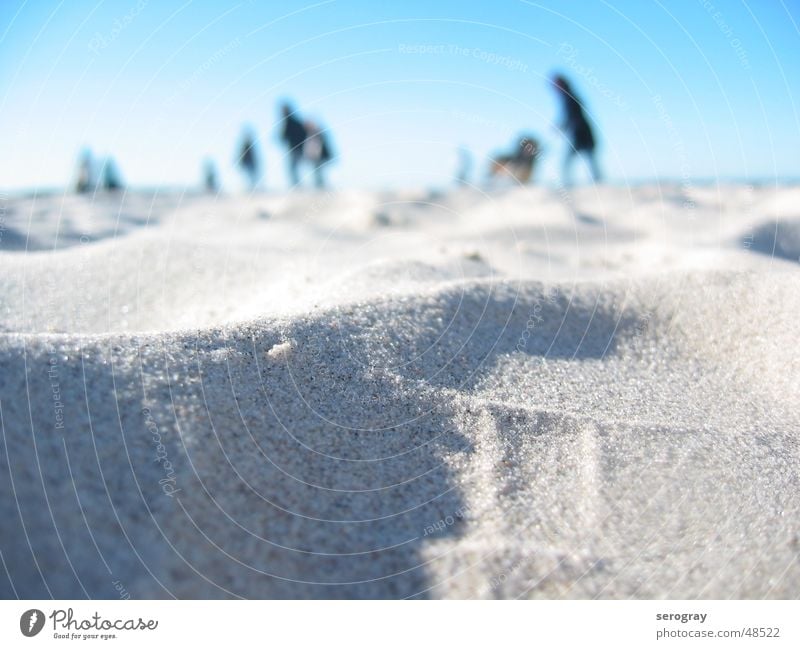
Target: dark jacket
<point x="248" y="157"/>
<point x="576" y="125"/>
<point x="294" y="133"/>
<point x="325" y="153"/>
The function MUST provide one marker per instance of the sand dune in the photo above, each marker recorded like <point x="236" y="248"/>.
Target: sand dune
<point x="410" y="394"/>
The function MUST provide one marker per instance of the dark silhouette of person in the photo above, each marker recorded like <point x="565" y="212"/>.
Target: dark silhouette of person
<point x="317" y="151"/>
<point x="294" y="136"/>
<point x="464" y="166"/>
<point x="577" y="130"/>
<point x="85" y="181"/>
<point x="110" y="176"/>
<point x="248" y="159"/>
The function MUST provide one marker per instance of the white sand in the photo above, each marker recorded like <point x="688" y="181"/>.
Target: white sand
<point x="519" y="394"/>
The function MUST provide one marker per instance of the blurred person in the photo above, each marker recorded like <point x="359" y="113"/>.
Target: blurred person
<point x="248" y="160"/>
<point x="317" y="151"/>
<point x="210" y="178"/>
<point x="577" y="130"/>
<point x="293" y="135"/>
<point x="464" y="166"/>
<point x="110" y="177"/>
<point x="85" y="182"/>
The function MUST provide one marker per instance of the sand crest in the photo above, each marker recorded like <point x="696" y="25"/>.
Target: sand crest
<point x="402" y="395"/>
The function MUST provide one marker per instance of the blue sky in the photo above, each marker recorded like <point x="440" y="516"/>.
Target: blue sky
<point x="691" y="88"/>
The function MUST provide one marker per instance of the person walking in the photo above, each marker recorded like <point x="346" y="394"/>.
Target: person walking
<point x="317" y="151"/>
<point x="294" y="136"/>
<point x="248" y="159"/>
<point x="577" y="130"/>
